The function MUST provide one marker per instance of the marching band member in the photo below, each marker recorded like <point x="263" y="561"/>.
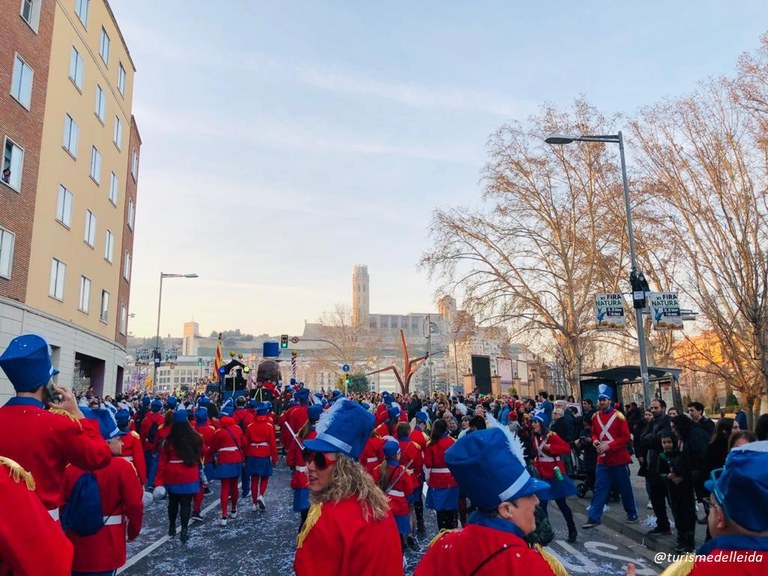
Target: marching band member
<point x="150" y="426"/>
<point x="243" y="419"/>
<point x="132" y="449"/>
<point x="490" y="467"/>
<point x="397" y="482"/>
<point x="179" y="471"/>
<point x="412" y="457"/>
<point x="228" y="446"/>
<point x="295" y="460"/>
<point x="262" y="454"/>
<point x="443" y="491"/>
<point x="349" y="529"/>
<point x="373" y="453"/>
<point x="206" y="432"/>
<point x="51" y="439"/>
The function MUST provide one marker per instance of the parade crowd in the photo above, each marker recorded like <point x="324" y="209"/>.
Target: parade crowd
<point x="365" y="469"/>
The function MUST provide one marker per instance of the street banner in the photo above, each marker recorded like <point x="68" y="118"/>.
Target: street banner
<point x="665" y="311"/>
<point x="609" y="310"/>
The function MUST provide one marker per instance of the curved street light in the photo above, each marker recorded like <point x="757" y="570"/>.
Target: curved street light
<point x="635" y="274"/>
<point x="156" y="354"/>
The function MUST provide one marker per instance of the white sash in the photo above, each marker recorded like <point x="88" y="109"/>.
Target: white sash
<point x="605" y="434"/>
<point x="540" y="449"/>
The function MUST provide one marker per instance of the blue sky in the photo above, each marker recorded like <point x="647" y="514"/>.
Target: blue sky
<point x="285" y="142"/>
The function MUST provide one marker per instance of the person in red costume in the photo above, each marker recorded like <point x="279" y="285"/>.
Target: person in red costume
<point x="229" y="449"/>
<point x="350" y="529"/>
<point x="443" y="491"/>
<point x="261" y="454"/>
<point x="412" y="457"/>
<point x="25" y="520"/>
<point x="738" y="519"/>
<point x="121" y="505"/>
<point x="372" y="454"/>
<point x="206" y="432"/>
<point x="295" y="461"/>
<point x="397" y="482"/>
<point x="490" y="468"/>
<point x="548" y="448"/>
<point x="132" y="449"/>
<point x="51" y="438"/>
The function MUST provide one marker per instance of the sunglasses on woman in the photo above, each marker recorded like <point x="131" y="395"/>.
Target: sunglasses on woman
<point x="319" y="458"/>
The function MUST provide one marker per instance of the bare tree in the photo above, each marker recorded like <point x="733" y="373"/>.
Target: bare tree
<point x="707" y="176"/>
<point x="348" y="343"/>
<point x="551" y="235"/>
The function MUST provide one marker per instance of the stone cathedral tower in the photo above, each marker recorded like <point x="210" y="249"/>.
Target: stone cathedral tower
<point x="361" y="297"/>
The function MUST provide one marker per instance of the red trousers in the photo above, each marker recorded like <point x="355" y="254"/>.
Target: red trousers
<point x="229" y="485"/>
<point x="258" y="486"/>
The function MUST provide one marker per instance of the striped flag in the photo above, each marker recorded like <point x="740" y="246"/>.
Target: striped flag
<point x="217" y="362"/>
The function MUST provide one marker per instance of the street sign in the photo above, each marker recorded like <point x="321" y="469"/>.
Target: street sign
<point x="609" y="310"/>
<point x="665" y="311"/>
<point x="295" y="339"/>
<point x="345" y="367"/>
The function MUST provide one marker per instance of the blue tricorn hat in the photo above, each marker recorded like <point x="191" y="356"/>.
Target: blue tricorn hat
<point x="180" y="416"/>
<point x="107" y="425"/>
<point x="315" y="411"/>
<point x="741" y="487"/>
<point x="156" y="405"/>
<point x="201" y="415"/>
<point x="122" y="417"/>
<point x="489" y="466"/>
<point x="344" y="428"/>
<point x="27" y="363"/>
<point x="542" y="417"/>
<point x="604" y="392"/>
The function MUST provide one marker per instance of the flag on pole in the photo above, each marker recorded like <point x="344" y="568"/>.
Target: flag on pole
<point x="217" y="362"/>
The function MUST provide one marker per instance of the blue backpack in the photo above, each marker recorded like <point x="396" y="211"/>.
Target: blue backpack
<point x="82" y="513"/>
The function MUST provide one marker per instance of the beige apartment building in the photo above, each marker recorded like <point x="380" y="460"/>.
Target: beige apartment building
<point x="68" y="202"/>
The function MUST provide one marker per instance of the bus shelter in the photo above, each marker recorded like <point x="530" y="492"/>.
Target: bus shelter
<point x="628" y="386"/>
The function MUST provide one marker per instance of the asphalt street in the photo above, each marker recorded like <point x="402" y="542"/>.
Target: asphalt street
<point x="262" y="543"/>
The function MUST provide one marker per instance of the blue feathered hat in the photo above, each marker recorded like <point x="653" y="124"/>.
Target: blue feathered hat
<point x="301" y="395"/>
<point x="145" y="401"/>
<point x="201" y="415"/>
<point x="107" y="425"/>
<point x="542" y="417"/>
<point x="315" y="411"/>
<point x="391" y="448"/>
<point x="422" y="416"/>
<point x="262" y="408"/>
<point x="122" y="417"/>
<point x="27" y="363"/>
<point x="156" y="405"/>
<point x="203" y="401"/>
<point x="171" y="403"/>
<point x="605" y="392"/>
<point x="394" y="411"/>
<point x="180" y="416"/>
<point x="489" y="466"/>
<point x="344" y="428"/>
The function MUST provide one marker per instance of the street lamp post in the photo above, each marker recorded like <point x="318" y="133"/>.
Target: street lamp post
<point x="156" y="354"/>
<point x="634" y="274"/>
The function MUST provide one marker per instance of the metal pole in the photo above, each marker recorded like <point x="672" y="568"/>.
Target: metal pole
<point x="633" y="261"/>
<point x="157" y="334"/>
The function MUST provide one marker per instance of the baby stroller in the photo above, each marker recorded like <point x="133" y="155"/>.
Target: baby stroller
<point x="583" y="459"/>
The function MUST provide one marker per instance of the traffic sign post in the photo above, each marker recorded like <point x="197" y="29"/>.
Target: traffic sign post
<point x="345" y="368"/>
<point x="295" y="340"/>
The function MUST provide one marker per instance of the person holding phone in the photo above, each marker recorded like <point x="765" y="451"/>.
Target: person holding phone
<point x="45" y="441"/>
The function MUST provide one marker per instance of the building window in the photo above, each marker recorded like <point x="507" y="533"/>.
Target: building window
<point x="121" y="79"/>
<point x="113" y="193"/>
<point x="6" y="252"/>
<point x="109" y="247"/>
<point x="104" y="46"/>
<point x="85" y="294"/>
<point x="21" y="82"/>
<point x="127" y="266"/>
<point x="123" y="319"/>
<point x="104" y="315"/>
<point x="13" y="162"/>
<point x="134" y="164"/>
<point x="90" y="228"/>
<point x="131" y="213"/>
<point x="71" y="135"/>
<point x="95" y="165"/>
<point x="81" y="8"/>
<point x="76" y="68"/>
<point x="58" y="276"/>
<point x="101" y="103"/>
<point x="118" y="136"/>
<point x="64" y="207"/>
<point x="30" y="11"/>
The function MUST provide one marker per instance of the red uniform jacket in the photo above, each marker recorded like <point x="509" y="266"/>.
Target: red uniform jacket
<point x="296" y="418"/>
<point x="548" y="458"/>
<point x="419" y="437"/>
<point x="412" y="457"/>
<point x="24" y="525"/>
<point x="207" y="432"/>
<point x="121" y="504"/>
<point x="295" y="459"/>
<point x="401" y="484"/>
<point x="612" y="427"/>
<point x="384" y="429"/>
<point x="146" y="425"/>
<point x="44" y="443"/>
<point x="434" y="459"/>
<point x="381" y="413"/>
<point x="260" y="437"/>
<point x="462" y="552"/>
<point x="243" y="418"/>
<point x="372" y="454"/>
<point x="162" y="435"/>
<point x="133" y="452"/>
<point x="172" y="470"/>
<point x="226" y="450"/>
<point x="341" y="543"/>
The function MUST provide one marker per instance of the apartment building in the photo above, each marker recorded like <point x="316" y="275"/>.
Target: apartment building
<point x="68" y="190"/>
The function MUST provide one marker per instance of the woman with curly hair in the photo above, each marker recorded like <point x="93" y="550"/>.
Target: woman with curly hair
<point x="349" y="529"/>
<point x="179" y="471"/>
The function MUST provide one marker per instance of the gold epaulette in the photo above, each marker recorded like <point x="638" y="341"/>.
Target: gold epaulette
<point x="60" y="412"/>
<point x="312" y="517"/>
<point x="554" y="563"/>
<point x="440" y="534"/>
<point x="680" y="568"/>
<point x="17" y="473"/>
<point x="620" y="415"/>
<point x="135" y="434"/>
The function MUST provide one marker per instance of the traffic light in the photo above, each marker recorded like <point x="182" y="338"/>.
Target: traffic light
<point x="284" y="341"/>
<point x="346" y="381"/>
<point x="199" y="361"/>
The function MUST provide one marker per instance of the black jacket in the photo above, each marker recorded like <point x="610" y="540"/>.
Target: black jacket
<point x="651" y="442"/>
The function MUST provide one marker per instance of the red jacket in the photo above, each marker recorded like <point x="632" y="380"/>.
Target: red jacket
<point x="372" y="454"/>
<point x="260" y="437"/>
<point x="548" y="451"/>
<point x="146" y="425"/>
<point x="227" y="450"/>
<point x="419" y="437"/>
<point x="401" y="484"/>
<point x="243" y="418"/>
<point x="434" y="459"/>
<point x="133" y="452"/>
<point x="207" y="431"/>
<point x="172" y="470"/>
<point x="295" y="459"/>
<point x="121" y="503"/>
<point x="412" y="457"/>
<point x="340" y="542"/>
<point x="44" y="442"/>
<point x="296" y="418"/>
<point x="612" y="427"/>
<point x="24" y="524"/>
<point x="461" y="552"/>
